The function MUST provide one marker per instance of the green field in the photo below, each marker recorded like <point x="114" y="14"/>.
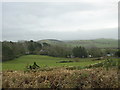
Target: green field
<point x="43" y="61"/>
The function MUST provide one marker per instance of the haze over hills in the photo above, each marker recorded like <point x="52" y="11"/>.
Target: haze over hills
<point x="101" y="43"/>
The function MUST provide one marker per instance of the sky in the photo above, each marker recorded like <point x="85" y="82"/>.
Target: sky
<point x="86" y="19"/>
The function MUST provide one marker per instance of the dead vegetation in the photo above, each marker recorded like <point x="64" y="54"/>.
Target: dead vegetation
<point x="62" y="78"/>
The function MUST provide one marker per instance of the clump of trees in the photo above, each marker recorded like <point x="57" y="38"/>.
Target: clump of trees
<point x="11" y="50"/>
<point x="80" y="52"/>
<point x="56" y="51"/>
<point x="95" y="52"/>
<point x="33" y="47"/>
<point x="118" y="53"/>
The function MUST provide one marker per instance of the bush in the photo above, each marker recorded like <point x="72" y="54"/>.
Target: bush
<point x="32" y="67"/>
<point x="65" y="61"/>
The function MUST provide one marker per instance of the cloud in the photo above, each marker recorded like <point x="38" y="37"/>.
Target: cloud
<point x="73" y="35"/>
<point x="59" y="20"/>
<point x="0" y="21"/>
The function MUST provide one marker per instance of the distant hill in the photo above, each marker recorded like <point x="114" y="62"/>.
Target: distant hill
<point x="52" y="41"/>
<point x="101" y="43"/>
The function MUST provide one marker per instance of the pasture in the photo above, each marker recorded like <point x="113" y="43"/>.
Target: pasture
<point x="56" y="76"/>
<point x="45" y="61"/>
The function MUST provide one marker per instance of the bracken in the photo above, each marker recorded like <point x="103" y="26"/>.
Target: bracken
<point x="62" y="78"/>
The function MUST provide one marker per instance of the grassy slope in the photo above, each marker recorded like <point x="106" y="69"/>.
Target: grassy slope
<point x="20" y="63"/>
<point x="101" y="43"/>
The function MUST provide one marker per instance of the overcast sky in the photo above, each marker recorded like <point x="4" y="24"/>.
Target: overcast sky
<point x="60" y="20"/>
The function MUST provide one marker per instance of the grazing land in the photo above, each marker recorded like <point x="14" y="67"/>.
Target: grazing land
<point x="45" y="61"/>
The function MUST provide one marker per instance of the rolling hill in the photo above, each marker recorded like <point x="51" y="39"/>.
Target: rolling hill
<point x="100" y="43"/>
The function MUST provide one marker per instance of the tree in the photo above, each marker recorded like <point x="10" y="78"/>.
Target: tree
<point x="31" y="47"/>
<point x="7" y="53"/>
<point x="95" y="52"/>
<point x="80" y="52"/>
<point x="56" y="51"/>
<point x="11" y="50"/>
<point x="45" y="44"/>
<point x="118" y="53"/>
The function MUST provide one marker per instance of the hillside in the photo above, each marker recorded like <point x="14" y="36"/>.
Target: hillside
<point x="44" y="61"/>
<point x="52" y="41"/>
<point x="101" y="43"/>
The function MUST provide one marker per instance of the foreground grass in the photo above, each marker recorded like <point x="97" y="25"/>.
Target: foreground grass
<point x="43" y="61"/>
<point x="62" y="78"/>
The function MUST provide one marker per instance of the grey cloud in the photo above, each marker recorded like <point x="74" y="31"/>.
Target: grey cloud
<point x="43" y="9"/>
<point x="25" y="21"/>
<point x="78" y="35"/>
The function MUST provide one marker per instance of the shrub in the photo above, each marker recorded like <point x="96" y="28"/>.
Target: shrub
<point x="32" y="67"/>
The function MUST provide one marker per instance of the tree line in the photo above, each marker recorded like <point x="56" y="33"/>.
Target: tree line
<point x="11" y="50"/>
